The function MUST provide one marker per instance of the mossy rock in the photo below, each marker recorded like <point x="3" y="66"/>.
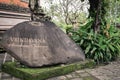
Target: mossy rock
<point x="25" y="73"/>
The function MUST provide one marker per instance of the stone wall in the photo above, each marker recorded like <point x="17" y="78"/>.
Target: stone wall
<point x="9" y="19"/>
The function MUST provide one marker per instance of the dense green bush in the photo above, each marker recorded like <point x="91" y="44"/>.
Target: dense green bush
<point x="102" y="47"/>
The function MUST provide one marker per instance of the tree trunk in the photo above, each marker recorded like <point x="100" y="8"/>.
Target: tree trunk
<point x="97" y="12"/>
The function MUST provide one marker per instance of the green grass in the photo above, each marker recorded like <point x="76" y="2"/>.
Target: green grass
<point x="43" y="73"/>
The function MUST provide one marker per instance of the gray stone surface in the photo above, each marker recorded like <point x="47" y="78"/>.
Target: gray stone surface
<point x="42" y="43"/>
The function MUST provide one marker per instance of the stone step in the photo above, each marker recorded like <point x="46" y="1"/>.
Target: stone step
<point x="5" y="76"/>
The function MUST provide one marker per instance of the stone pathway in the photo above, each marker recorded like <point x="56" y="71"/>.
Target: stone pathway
<point x="108" y="72"/>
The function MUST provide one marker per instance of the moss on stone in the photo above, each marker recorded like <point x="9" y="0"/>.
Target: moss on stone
<point x="43" y="73"/>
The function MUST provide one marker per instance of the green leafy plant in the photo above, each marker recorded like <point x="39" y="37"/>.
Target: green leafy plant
<point x="64" y="27"/>
<point x="102" y="47"/>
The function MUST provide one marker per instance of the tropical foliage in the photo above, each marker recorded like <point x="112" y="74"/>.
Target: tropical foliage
<point x="103" y="46"/>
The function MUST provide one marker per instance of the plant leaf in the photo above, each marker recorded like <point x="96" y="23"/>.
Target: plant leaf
<point x="87" y="49"/>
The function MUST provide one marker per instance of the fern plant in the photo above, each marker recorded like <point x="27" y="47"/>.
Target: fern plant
<point x="102" y="47"/>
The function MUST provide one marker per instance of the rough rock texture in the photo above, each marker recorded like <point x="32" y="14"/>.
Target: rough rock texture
<point x="38" y="44"/>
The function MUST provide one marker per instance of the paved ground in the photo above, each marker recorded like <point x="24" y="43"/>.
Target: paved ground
<point x="108" y="72"/>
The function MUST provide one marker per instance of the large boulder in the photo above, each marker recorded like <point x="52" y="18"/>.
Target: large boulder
<point x="42" y="43"/>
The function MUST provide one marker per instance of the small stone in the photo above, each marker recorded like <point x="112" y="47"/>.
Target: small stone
<point x="80" y="71"/>
<point x="95" y="73"/>
<point x="54" y="78"/>
<point x="69" y="76"/>
<point x="15" y="78"/>
<point x="116" y="78"/>
<point x="77" y="79"/>
<point x="84" y="74"/>
<point x="75" y="75"/>
<point x="58" y="78"/>
<point x="102" y="77"/>
<point x="61" y="78"/>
